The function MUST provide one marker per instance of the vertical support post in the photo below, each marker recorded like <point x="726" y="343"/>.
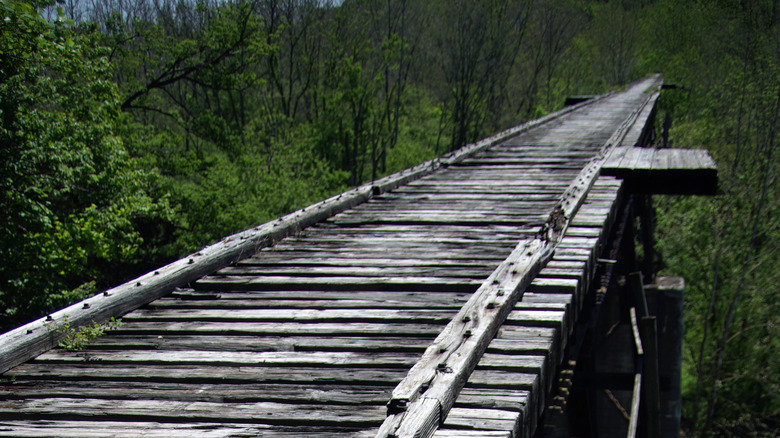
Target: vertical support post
<point x="638" y="294"/>
<point x="647" y="223"/>
<point x="633" y="422"/>
<point x="648" y="335"/>
<point x="650" y="396"/>
<point x="665" y="300"/>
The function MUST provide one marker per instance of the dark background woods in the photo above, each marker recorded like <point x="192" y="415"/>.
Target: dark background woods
<point x="136" y="131"/>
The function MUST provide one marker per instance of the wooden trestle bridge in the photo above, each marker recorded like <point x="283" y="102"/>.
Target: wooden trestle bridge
<point x="465" y="297"/>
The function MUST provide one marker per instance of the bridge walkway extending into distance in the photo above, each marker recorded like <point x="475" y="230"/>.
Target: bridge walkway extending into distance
<point x="441" y="301"/>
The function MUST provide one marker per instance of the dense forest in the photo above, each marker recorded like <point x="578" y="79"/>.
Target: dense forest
<point x="136" y="131"/>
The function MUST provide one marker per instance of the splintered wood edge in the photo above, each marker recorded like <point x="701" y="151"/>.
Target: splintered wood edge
<point x="437" y="377"/>
<point x="30" y="340"/>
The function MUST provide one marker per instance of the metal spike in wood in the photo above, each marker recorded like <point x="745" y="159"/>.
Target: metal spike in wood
<point x="428" y="392"/>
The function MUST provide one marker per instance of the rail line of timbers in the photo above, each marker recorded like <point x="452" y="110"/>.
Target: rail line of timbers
<point x="492" y="292"/>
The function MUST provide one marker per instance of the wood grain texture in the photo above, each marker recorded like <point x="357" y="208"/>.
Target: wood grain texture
<point x="435" y="381"/>
<point x="312" y="334"/>
<point x="27" y="341"/>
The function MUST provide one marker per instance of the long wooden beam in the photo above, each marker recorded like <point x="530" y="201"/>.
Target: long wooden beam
<point x="422" y="400"/>
<point x="34" y="338"/>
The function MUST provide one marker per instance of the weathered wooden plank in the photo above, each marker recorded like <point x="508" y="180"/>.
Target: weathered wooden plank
<point x="481" y="419"/>
<point x="419" y="253"/>
<point x="511" y="362"/>
<point x="442" y="217"/>
<point x="342" y="328"/>
<point x="444" y="197"/>
<point x="167" y="410"/>
<point x="433" y="233"/>
<point x="549" y="305"/>
<point x="536" y="156"/>
<point x="344" y="395"/>
<point x="359" y="260"/>
<point x="400" y="249"/>
<point x="278" y="298"/>
<point x="536" y="318"/>
<point x="233" y="282"/>
<point x="356" y="271"/>
<point x="215" y="343"/>
<point x="327" y="226"/>
<point x="318" y="302"/>
<point x="290" y="315"/>
<point x="562" y="273"/>
<point x="201" y="374"/>
<point x="134" y="429"/>
<point x="616" y="157"/>
<point x="505" y="399"/>
<point x="534" y="297"/>
<point x="458" y="433"/>
<point x="555" y="285"/>
<point x="424" y="210"/>
<point x="507" y="189"/>
<point x="539" y="346"/>
<point x="355" y="242"/>
<point x="232" y="358"/>
<point x="469" y="182"/>
<point x="504" y="380"/>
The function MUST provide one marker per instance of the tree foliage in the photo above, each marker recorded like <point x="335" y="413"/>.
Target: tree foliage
<point x="136" y="131"/>
<point x="72" y="196"/>
<point x="730" y="253"/>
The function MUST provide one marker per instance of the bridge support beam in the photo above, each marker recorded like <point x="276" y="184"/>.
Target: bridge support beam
<point x="601" y="356"/>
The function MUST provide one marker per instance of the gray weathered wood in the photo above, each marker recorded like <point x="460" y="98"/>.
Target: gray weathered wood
<point x="635" y="399"/>
<point x="436" y="379"/>
<point x="664" y="171"/>
<point x="153" y="429"/>
<point x="28" y="341"/>
<point x="290" y="338"/>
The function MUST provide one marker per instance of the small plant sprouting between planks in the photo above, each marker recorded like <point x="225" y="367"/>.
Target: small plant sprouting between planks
<point x="78" y="339"/>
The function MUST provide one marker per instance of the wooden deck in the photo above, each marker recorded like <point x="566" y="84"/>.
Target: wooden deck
<point x="311" y="335"/>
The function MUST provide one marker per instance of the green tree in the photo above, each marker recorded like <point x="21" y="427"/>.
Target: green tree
<point x="730" y="253"/>
<point x="71" y="196"/>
